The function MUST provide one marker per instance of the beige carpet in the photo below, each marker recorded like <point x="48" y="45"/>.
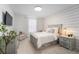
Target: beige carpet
<point x="25" y="47"/>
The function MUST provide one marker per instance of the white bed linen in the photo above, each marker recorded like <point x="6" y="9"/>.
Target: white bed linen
<point x="44" y="37"/>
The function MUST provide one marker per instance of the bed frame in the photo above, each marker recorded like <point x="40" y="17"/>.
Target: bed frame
<point x="34" y="40"/>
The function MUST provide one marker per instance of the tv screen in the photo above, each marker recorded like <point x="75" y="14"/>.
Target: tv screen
<point x="7" y="20"/>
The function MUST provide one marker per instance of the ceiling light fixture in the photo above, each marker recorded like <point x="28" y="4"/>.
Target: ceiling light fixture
<point x="38" y="9"/>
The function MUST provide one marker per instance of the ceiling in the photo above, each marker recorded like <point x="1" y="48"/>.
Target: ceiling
<point x="28" y="9"/>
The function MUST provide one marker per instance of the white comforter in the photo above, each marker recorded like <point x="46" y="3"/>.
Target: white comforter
<point x="44" y="37"/>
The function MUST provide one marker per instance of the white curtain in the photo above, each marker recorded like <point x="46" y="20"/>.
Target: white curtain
<point x="32" y="25"/>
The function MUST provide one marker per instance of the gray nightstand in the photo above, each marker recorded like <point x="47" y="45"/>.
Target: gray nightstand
<point x="67" y="42"/>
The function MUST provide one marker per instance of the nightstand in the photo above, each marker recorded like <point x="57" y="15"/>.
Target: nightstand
<point x="67" y="42"/>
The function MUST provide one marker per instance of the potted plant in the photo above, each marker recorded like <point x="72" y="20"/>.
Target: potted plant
<point x="7" y="36"/>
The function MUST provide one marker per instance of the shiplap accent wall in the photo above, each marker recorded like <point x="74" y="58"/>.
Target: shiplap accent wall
<point x="69" y="17"/>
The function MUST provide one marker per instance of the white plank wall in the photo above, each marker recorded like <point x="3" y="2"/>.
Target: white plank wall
<point x="69" y="17"/>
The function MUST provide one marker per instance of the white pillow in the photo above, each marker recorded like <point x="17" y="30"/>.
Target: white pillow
<point x="52" y="30"/>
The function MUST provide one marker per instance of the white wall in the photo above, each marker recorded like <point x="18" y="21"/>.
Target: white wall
<point x="69" y="17"/>
<point x="21" y="23"/>
<point x="40" y="24"/>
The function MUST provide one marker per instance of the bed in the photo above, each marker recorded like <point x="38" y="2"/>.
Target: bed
<point x="45" y="38"/>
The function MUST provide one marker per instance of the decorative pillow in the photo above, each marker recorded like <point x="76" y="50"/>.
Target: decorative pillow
<point x="52" y="30"/>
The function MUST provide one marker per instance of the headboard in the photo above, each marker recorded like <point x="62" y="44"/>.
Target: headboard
<point x="59" y="26"/>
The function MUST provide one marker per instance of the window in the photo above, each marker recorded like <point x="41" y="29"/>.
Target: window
<point x="32" y="25"/>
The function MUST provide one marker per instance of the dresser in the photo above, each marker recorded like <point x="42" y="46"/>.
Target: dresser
<point x="67" y="42"/>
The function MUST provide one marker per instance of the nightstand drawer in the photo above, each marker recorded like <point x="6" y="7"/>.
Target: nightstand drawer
<point x="61" y="39"/>
<point x="66" y="45"/>
<point x="61" y="43"/>
<point x="67" y="42"/>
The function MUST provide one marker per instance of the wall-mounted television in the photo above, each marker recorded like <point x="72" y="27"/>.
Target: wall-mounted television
<point x="7" y="19"/>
